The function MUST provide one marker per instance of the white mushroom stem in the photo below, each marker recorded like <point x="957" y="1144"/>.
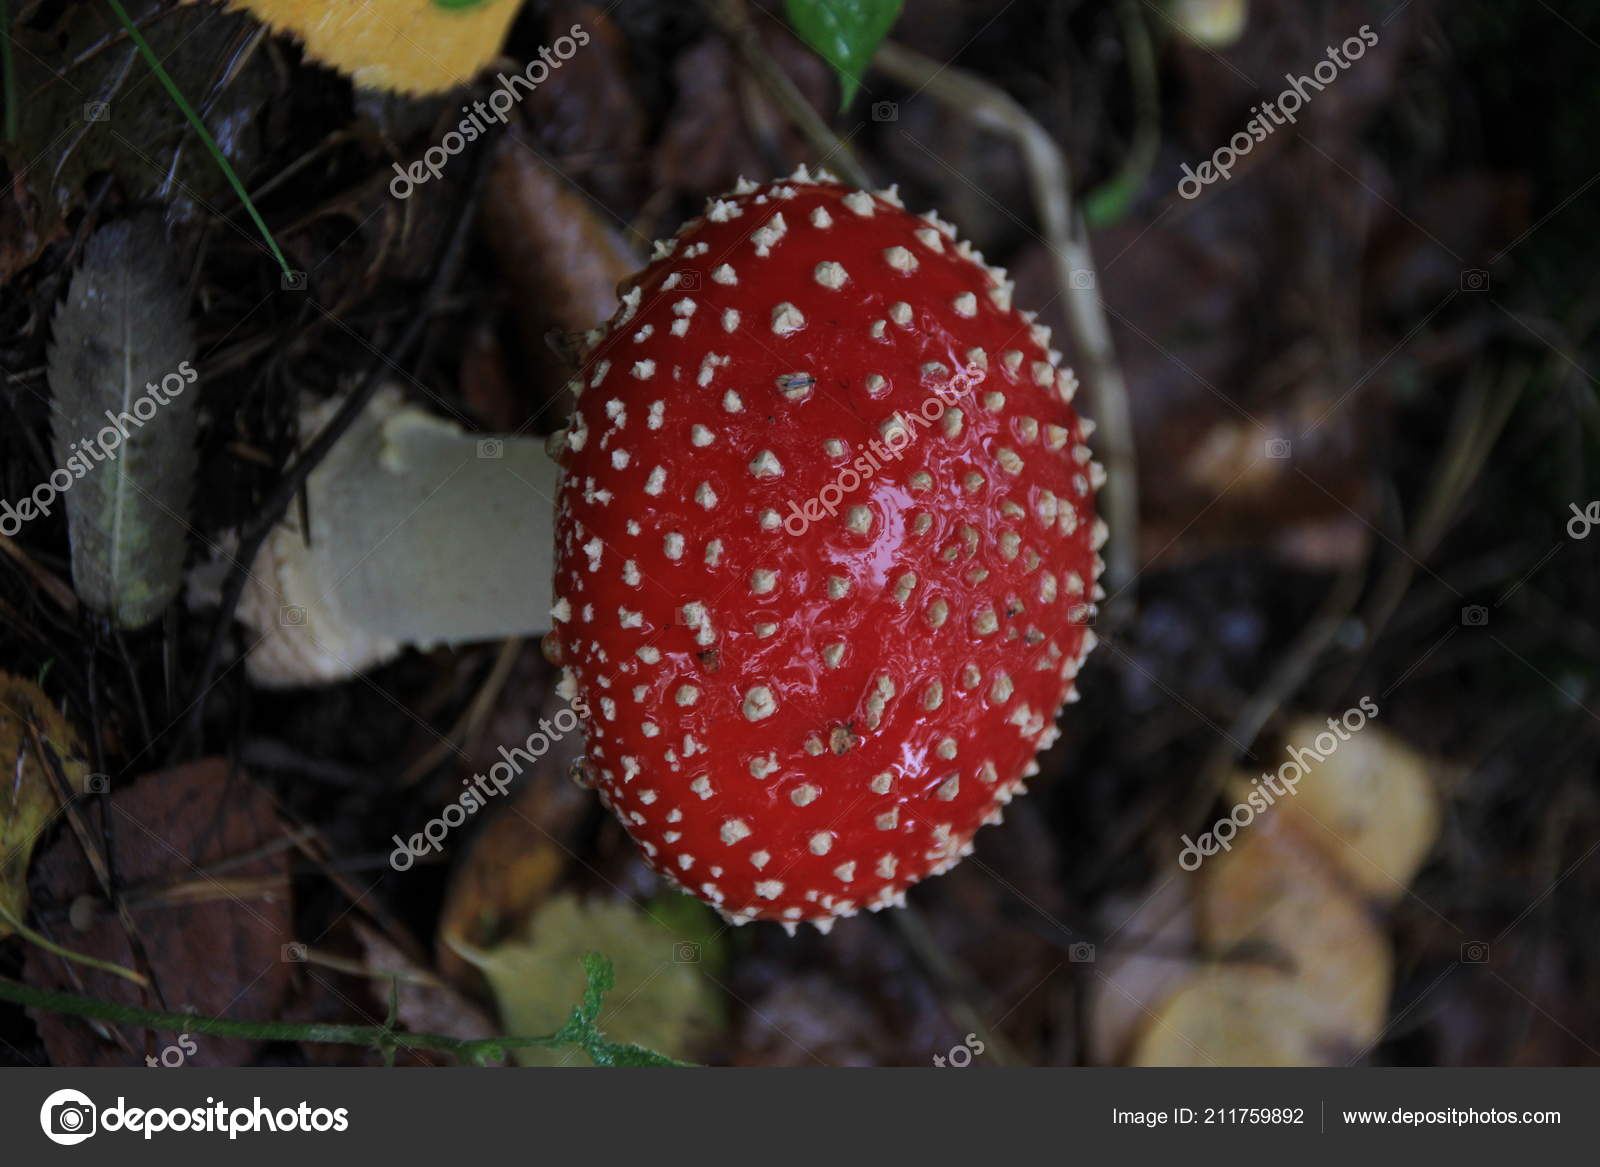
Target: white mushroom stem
<point x="421" y="534"/>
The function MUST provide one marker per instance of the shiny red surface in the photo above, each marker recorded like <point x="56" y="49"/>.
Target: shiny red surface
<point x="650" y="781"/>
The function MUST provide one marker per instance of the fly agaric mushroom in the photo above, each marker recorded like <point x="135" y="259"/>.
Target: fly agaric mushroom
<point x="826" y="551"/>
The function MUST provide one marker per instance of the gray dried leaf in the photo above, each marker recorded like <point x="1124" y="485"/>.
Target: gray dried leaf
<point x="124" y="421"/>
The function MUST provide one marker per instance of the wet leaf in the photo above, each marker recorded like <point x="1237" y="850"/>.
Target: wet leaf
<point x="124" y="421"/>
<point x="28" y="800"/>
<point x="845" y="33"/>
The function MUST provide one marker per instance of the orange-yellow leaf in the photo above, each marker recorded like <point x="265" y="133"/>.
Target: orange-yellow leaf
<point x="409" y="46"/>
<point x="29" y="725"/>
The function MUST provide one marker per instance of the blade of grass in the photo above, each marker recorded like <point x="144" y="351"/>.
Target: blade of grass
<point x="199" y="127"/>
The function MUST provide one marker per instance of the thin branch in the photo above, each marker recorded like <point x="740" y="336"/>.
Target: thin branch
<point x="1067" y="241"/>
<point x="44" y="942"/>
<point x="294" y="478"/>
<point x="732" y="22"/>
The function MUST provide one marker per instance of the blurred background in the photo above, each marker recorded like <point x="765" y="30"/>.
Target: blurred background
<point x="1346" y="399"/>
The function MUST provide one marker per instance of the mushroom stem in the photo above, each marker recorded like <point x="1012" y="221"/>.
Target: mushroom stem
<point x="420" y="534"/>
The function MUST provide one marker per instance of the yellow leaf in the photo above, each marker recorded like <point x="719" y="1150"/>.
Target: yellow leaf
<point x="1274" y="899"/>
<point x="28" y="800"/>
<point x="662" y="1001"/>
<point x="409" y="46"/>
<point x="1369" y="805"/>
<point x="1232" y="1015"/>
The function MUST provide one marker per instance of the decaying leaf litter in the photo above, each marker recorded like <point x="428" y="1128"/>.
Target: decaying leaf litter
<point x="1317" y="299"/>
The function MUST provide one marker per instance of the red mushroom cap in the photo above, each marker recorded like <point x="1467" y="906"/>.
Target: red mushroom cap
<point x="826" y="551"/>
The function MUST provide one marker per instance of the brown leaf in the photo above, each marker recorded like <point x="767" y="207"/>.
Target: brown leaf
<point x="587" y="115"/>
<point x="423" y="1007"/>
<point x="214" y="929"/>
<point x="560" y="254"/>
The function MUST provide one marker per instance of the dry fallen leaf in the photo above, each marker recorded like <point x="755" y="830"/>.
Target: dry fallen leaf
<point x="1273" y="899"/>
<point x="421" y="1006"/>
<point x="409" y="46"/>
<point x="1132" y="981"/>
<point x="215" y="928"/>
<point x="513" y="861"/>
<point x="27" y="798"/>
<point x="1297" y="970"/>
<point x="1370" y="805"/>
<point x="561" y="254"/>
<point x="1234" y="1016"/>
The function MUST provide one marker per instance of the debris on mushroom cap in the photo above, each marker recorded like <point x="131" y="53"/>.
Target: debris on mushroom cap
<point x="826" y="551"/>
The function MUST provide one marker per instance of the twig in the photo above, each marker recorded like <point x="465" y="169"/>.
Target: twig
<point x="294" y="478"/>
<point x="98" y="857"/>
<point x="476" y="1050"/>
<point x="730" y="18"/>
<point x="1067" y="241"/>
<point x="8" y="75"/>
<point x="471" y="723"/>
<point x="1282" y="684"/>
<point x="1479" y="418"/>
<point x="52" y="947"/>
<point x="954" y="982"/>
<point x="580" y="1030"/>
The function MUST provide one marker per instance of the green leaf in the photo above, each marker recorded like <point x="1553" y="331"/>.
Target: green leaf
<point x="1108" y="204"/>
<point x="845" y="33"/>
